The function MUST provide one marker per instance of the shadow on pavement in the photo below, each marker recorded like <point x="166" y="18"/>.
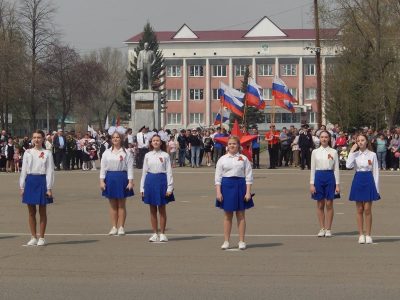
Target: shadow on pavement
<point x="187" y="238"/>
<point x="350" y="233"/>
<point x="141" y="231"/>
<point x="7" y="237"/>
<point x="388" y="240"/>
<point x="266" y="245"/>
<point x="73" y="242"/>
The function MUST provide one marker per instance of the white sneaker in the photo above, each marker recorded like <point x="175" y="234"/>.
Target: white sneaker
<point x="154" y="238"/>
<point x="242" y="245"/>
<point x="321" y="233"/>
<point x="121" y="231"/>
<point x="41" y="242"/>
<point x="113" y="231"/>
<point x="361" y="239"/>
<point x="163" y="238"/>
<point x="328" y="233"/>
<point x="368" y="239"/>
<point x="32" y="242"/>
<point x="225" y="245"/>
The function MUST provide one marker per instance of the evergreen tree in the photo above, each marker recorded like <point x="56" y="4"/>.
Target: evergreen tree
<point x="158" y="70"/>
<point x="252" y="115"/>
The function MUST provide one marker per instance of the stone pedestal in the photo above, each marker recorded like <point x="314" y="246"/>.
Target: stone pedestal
<point x="146" y="110"/>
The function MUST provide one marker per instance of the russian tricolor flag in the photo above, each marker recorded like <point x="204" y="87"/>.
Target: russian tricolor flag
<point x="253" y="95"/>
<point x="231" y="99"/>
<point x="283" y="97"/>
<point x="225" y="117"/>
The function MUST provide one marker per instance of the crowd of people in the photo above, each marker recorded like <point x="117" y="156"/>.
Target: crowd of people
<point x="289" y="147"/>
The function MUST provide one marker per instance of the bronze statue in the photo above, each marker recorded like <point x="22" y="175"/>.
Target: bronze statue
<point x="145" y="62"/>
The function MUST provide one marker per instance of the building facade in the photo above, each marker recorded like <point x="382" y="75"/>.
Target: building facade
<point x="197" y="61"/>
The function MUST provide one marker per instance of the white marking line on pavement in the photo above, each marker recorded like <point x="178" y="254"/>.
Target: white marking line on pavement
<point x="185" y="201"/>
<point x="232" y="249"/>
<point x="339" y="214"/>
<point x="193" y="234"/>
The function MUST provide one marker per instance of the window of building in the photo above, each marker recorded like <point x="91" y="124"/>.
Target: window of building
<point x="215" y="94"/>
<point x="174" y="94"/>
<point x="174" y="118"/>
<point x="293" y="91"/>
<point x="196" y="118"/>
<point x="310" y="70"/>
<point x="296" y="118"/>
<point x="311" y="93"/>
<point x="265" y="70"/>
<point x="196" y="94"/>
<point x="173" y="71"/>
<point x="267" y="94"/>
<point x="196" y="71"/>
<point x="311" y="116"/>
<point x="240" y="70"/>
<point x="289" y="70"/>
<point x="219" y="71"/>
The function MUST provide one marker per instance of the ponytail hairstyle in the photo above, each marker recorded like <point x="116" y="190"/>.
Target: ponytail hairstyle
<point x="329" y="135"/>
<point x="163" y="145"/>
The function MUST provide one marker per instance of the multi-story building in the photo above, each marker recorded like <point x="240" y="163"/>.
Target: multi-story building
<point x="197" y="61"/>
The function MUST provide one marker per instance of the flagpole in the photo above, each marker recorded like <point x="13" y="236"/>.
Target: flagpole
<point x="244" y="112"/>
<point x="273" y="110"/>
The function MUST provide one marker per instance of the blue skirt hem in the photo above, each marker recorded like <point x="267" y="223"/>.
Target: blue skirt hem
<point x="116" y="182"/>
<point x="155" y="189"/>
<point x="233" y="190"/>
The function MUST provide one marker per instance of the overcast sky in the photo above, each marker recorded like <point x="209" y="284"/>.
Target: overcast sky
<point x="92" y="24"/>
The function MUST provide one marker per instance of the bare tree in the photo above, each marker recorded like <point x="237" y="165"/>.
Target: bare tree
<point x="64" y="77"/>
<point x="12" y="61"/>
<point x="39" y="33"/>
<point x="109" y="90"/>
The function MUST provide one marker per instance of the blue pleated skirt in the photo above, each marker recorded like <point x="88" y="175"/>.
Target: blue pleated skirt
<point x="363" y="188"/>
<point x="233" y="190"/>
<point x="116" y="182"/>
<point x="35" y="190"/>
<point x="155" y="188"/>
<point x="325" y="185"/>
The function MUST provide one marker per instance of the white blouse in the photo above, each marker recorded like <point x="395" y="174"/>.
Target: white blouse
<point x="37" y="162"/>
<point x="236" y="165"/>
<point x="157" y="162"/>
<point x="364" y="162"/>
<point x="116" y="161"/>
<point x="323" y="159"/>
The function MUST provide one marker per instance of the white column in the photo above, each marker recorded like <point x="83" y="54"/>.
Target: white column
<point x="301" y="82"/>
<point x="277" y="66"/>
<point x="323" y="73"/>
<point x="208" y="93"/>
<point x="185" y="94"/>
<point x="253" y="68"/>
<point x="230" y="71"/>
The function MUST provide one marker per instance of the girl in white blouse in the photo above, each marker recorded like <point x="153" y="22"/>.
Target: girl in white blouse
<point x="233" y="180"/>
<point x="324" y="182"/>
<point x="365" y="185"/>
<point x="36" y="183"/>
<point x="116" y="181"/>
<point x="156" y="186"/>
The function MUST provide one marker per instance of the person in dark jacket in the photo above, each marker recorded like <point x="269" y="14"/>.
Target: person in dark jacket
<point x="306" y="146"/>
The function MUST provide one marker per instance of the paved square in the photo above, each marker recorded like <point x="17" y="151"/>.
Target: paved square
<point x="284" y="259"/>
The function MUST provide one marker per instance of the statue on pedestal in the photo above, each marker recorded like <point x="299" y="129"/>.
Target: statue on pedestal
<point x="145" y="62"/>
